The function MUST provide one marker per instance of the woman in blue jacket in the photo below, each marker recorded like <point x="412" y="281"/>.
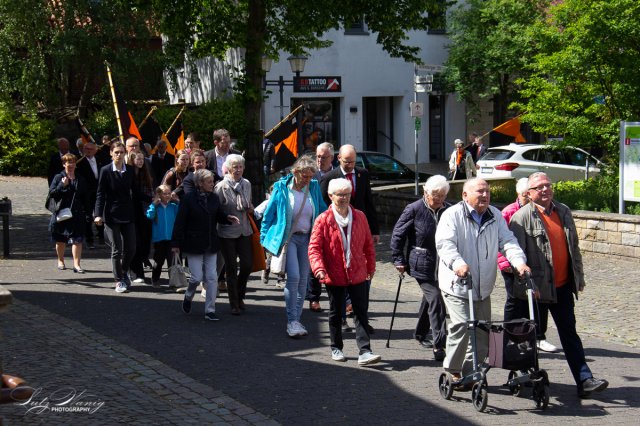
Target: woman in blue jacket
<point x="295" y="203"/>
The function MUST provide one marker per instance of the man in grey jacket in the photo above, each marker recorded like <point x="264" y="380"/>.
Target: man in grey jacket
<point x="547" y="233"/>
<point x="468" y="238"/>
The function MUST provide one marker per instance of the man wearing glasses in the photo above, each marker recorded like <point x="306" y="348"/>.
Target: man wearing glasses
<point x="547" y="233"/>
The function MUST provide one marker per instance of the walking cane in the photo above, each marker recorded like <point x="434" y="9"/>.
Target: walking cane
<point x="395" y="305"/>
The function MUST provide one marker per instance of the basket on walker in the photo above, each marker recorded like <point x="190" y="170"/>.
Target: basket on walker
<point x="512" y="345"/>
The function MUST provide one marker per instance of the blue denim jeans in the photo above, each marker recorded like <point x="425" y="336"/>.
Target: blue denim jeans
<point x="203" y="270"/>
<point x="298" y="271"/>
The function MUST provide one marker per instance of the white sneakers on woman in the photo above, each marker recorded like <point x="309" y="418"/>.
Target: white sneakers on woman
<point x="295" y="328"/>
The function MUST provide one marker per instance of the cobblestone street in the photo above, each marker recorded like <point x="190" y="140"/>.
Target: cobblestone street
<point x="136" y="358"/>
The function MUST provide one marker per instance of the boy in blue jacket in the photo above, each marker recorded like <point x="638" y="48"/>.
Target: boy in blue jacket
<point x="162" y="212"/>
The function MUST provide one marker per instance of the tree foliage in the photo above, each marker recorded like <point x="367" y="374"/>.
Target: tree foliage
<point x="586" y="76"/>
<point x="53" y="51"/>
<point x="197" y="28"/>
<point x="489" y="50"/>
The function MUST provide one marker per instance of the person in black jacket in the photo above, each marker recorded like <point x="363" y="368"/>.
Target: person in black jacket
<point x="417" y="225"/>
<point x="161" y="162"/>
<point x="115" y="208"/>
<point x="195" y="234"/>
<point x="89" y="168"/>
<point x="70" y="190"/>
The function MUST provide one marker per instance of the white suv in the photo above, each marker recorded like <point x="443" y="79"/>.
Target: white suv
<point x="520" y="160"/>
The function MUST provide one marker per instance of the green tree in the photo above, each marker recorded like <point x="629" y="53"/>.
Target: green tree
<point x="197" y="28"/>
<point x="52" y="52"/>
<point x="489" y="50"/>
<point x="586" y="76"/>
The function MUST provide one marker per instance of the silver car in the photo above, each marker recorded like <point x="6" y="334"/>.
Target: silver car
<point x="520" y="160"/>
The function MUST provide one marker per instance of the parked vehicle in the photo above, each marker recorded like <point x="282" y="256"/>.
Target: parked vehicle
<point x="520" y="160"/>
<point x="386" y="170"/>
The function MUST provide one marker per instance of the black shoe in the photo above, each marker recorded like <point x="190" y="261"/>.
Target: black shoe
<point x="371" y="329"/>
<point x="592" y="385"/>
<point x="439" y="354"/>
<point x="211" y="316"/>
<point x="186" y="305"/>
<point x="426" y="343"/>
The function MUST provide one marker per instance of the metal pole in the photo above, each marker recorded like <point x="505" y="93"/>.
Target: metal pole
<point x="281" y="84"/>
<point x="415" y="99"/>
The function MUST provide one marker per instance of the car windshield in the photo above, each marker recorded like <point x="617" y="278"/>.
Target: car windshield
<point x="497" y="154"/>
<point x="382" y="163"/>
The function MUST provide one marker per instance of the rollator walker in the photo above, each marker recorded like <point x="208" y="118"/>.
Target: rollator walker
<point x="512" y="346"/>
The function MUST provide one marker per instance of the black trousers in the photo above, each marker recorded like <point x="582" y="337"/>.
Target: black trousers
<point x="121" y="237"/>
<point x="232" y="249"/>
<point x="359" y="300"/>
<point x="143" y="245"/>
<point x="431" y="316"/>
<point x="314" y="291"/>
<point x="515" y="308"/>
<point x="161" y="253"/>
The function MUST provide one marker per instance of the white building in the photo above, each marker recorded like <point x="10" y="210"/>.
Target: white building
<point x="371" y="108"/>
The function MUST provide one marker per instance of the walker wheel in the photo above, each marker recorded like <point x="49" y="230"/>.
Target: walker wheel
<point x="479" y="396"/>
<point x="541" y="395"/>
<point x="515" y="388"/>
<point x="445" y="385"/>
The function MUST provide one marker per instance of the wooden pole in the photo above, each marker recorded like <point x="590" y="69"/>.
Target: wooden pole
<point x="115" y="102"/>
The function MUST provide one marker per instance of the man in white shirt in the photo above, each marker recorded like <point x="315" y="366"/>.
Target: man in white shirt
<point x="89" y="168"/>
<point x="218" y="155"/>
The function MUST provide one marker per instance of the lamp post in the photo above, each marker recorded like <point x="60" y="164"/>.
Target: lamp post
<point x="297" y="63"/>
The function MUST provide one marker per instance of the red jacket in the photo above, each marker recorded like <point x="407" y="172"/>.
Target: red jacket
<point x="326" y="252"/>
<point x="507" y="212"/>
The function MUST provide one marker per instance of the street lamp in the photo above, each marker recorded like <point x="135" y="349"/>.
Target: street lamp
<point x="297" y="63"/>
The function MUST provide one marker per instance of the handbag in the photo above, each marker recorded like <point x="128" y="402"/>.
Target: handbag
<point x="178" y="273"/>
<point x="51" y="204"/>
<point x="279" y="263"/>
<point x="65" y="214"/>
<point x="258" y="263"/>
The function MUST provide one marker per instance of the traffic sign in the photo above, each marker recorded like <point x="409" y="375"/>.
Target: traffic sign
<point x="417" y="109"/>
<point x="418" y="124"/>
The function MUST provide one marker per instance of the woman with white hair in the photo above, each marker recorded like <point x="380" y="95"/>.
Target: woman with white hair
<point x="414" y="234"/>
<point x="461" y="165"/>
<point x="515" y="308"/>
<point x="342" y="257"/>
<point x="234" y="193"/>
<point x="195" y="233"/>
<point x="295" y="203"/>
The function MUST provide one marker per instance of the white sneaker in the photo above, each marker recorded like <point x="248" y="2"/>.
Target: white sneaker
<point x="368" y="358"/>
<point x="302" y="331"/>
<point x="121" y="287"/>
<point x="138" y="280"/>
<point x="292" y="330"/>
<point x="203" y="293"/>
<point x="546" y="346"/>
<point x="337" y="355"/>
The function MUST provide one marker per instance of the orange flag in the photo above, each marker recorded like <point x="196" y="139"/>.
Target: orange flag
<point x="511" y="128"/>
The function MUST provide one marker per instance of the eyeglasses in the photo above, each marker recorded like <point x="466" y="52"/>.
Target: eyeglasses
<point x="346" y="194"/>
<point x="347" y="162"/>
<point x="542" y="187"/>
<point x="323" y="157"/>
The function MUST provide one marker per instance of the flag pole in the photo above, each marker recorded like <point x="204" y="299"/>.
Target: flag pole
<point x="175" y="120"/>
<point x="115" y="103"/>
<point x="282" y="121"/>
<point x="149" y="114"/>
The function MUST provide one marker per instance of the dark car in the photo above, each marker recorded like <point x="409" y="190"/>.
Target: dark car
<point x="386" y="170"/>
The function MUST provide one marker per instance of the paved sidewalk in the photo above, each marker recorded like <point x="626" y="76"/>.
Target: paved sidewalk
<point x="138" y="359"/>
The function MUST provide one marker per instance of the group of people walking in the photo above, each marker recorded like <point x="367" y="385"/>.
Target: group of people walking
<point x="320" y="223"/>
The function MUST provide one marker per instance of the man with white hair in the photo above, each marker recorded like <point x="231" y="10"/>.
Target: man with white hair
<point x="468" y="238"/>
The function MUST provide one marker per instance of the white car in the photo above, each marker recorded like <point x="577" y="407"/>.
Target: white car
<point x="520" y="160"/>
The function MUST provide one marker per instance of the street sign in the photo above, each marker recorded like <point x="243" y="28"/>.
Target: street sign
<point x="431" y="69"/>
<point x="417" y="109"/>
<point x="418" y="124"/>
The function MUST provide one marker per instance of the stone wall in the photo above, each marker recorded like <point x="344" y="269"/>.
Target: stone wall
<point x="609" y="233"/>
<point x="604" y="233"/>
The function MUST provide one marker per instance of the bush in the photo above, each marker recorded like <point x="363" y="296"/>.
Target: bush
<point x="25" y="143"/>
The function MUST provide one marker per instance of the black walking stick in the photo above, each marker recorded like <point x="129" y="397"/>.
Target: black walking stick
<point x="395" y="305"/>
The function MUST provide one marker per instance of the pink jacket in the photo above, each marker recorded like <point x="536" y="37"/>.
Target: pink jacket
<point x="507" y="213"/>
<point x="326" y="251"/>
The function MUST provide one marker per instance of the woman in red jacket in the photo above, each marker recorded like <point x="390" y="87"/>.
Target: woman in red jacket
<point x="342" y="257"/>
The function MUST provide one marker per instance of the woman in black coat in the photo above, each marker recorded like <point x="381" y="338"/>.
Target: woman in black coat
<point x="195" y="234"/>
<point x="72" y="192"/>
<point x="416" y="229"/>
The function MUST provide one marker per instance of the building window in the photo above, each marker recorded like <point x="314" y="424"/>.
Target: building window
<point x="357" y="28"/>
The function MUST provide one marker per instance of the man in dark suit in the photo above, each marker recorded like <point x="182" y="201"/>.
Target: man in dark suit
<point x="89" y="168"/>
<point x="361" y="197"/>
<point x="161" y="161"/>
<point x="477" y="149"/>
<point x="217" y="156"/>
<point x="55" y="162"/>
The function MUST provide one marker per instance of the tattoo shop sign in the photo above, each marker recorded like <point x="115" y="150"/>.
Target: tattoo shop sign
<point x="317" y="84"/>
